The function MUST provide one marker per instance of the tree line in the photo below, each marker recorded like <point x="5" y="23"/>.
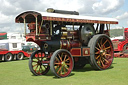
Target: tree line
<point x="116" y="32"/>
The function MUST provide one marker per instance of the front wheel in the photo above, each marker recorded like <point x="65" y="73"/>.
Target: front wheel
<point x="61" y="63"/>
<point x="101" y="52"/>
<point x="37" y="63"/>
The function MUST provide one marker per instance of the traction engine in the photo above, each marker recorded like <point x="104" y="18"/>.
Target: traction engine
<point x="67" y="40"/>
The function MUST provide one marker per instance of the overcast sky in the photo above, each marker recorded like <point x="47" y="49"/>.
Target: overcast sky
<point x="9" y="9"/>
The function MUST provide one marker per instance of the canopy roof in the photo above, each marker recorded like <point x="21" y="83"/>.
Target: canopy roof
<point x="30" y="16"/>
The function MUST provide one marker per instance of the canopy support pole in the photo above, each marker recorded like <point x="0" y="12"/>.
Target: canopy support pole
<point x="36" y="27"/>
<point x="24" y="27"/>
<point x="109" y="27"/>
<point x="51" y="28"/>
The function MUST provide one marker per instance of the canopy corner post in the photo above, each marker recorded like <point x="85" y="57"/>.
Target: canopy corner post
<point x="109" y="27"/>
<point x="36" y="26"/>
<point x="51" y="28"/>
<point x="24" y="26"/>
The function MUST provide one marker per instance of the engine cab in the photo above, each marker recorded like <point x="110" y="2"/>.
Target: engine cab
<point x="58" y="29"/>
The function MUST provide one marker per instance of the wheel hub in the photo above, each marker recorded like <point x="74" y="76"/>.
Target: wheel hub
<point x="39" y="62"/>
<point x="63" y="63"/>
<point x="102" y="52"/>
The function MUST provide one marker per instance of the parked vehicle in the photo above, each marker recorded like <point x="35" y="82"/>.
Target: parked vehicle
<point x="28" y="48"/>
<point x="121" y="45"/>
<point x="67" y="41"/>
<point x="10" y="49"/>
<point x="6" y="55"/>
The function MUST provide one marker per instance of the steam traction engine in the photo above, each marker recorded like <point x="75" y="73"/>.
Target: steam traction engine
<point x="67" y="40"/>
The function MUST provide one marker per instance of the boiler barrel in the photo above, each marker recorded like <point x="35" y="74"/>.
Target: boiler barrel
<point x="65" y="44"/>
<point x="51" y="46"/>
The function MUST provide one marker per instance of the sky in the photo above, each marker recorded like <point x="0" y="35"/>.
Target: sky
<point x="9" y="9"/>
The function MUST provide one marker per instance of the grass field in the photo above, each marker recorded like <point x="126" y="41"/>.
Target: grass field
<point x="17" y="73"/>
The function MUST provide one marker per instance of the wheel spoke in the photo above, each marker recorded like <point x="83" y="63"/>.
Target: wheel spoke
<point x="104" y="43"/>
<point x="57" y="63"/>
<point x="56" y="67"/>
<point x="57" y="59"/>
<point x="67" y="63"/>
<point x="60" y="57"/>
<point x="102" y="63"/>
<point x="108" y="54"/>
<point x="61" y="72"/>
<point x="106" y="48"/>
<point x="101" y="42"/>
<point x="106" y="60"/>
<point x="39" y="71"/>
<point x="59" y="69"/>
<point x="97" y="48"/>
<point x="34" y="65"/>
<point x="97" y="52"/>
<point x="36" y="68"/>
<point x="98" y="62"/>
<point x="65" y="57"/>
<point x="41" y="68"/>
<point x="34" y="61"/>
<point x="97" y="57"/>
<point x="99" y="45"/>
<point x="66" y="68"/>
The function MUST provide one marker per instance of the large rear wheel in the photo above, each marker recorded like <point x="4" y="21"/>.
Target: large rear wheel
<point x="61" y="63"/>
<point x="101" y="52"/>
<point x="37" y="63"/>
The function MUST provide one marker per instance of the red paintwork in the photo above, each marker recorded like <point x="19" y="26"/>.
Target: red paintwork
<point x="86" y="50"/>
<point x="76" y="20"/>
<point x="126" y="33"/>
<point x="75" y="51"/>
<point x="118" y="45"/>
<point x="121" y="55"/>
<point x="66" y="44"/>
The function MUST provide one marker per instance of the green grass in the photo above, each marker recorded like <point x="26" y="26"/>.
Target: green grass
<point x="17" y="73"/>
